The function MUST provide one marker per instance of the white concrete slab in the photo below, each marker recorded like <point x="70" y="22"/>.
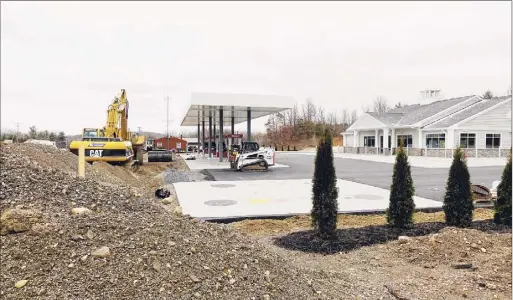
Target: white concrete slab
<point x="214" y="164"/>
<point x="234" y="199"/>
<point x="418" y="161"/>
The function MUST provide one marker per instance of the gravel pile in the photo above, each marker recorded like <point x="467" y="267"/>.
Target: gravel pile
<point x="78" y="238"/>
<point x="173" y="176"/>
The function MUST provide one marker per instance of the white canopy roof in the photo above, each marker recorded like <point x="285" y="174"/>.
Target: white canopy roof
<point x="203" y="105"/>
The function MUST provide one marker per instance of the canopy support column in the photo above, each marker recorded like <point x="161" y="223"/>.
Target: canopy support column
<point x="210" y="135"/>
<point x="249" y="125"/>
<point x="221" y="135"/>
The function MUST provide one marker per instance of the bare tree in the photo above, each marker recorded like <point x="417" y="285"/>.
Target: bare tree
<point x="399" y="105"/>
<point x="309" y="111"/>
<point x="320" y="115"/>
<point x="380" y="105"/>
<point x="353" y="118"/>
<point x="344" y="119"/>
<point x="332" y="118"/>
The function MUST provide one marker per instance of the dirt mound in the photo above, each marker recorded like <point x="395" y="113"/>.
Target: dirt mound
<point x="116" y="173"/>
<point x="151" y="254"/>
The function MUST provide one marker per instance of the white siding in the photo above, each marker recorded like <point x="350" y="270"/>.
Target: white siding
<point x="348" y="140"/>
<point x="495" y="119"/>
<point x="481" y="137"/>
<point x="366" y="122"/>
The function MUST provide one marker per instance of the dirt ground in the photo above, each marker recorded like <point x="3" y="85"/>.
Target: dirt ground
<point x="158" y="254"/>
<point x="432" y="262"/>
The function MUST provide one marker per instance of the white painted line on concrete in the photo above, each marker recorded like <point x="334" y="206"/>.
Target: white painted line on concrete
<point x="276" y="197"/>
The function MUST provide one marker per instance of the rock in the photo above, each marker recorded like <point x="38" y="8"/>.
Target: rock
<point x="167" y="201"/>
<point x="473" y="245"/>
<point x="483" y="250"/>
<point x="266" y="297"/>
<point x="171" y="243"/>
<point x="197" y="295"/>
<point x="89" y="234"/>
<point x="156" y="265"/>
<point x="83" y="258"/>
<point x="267" y="276"/>
<point x="102" y="252"/>
<point x="81" y="211"/>
<point x="177" y="210"/>
<point x="194" y="278"/>
<point x="153" y="252"/>
<point x="403" y="239"/>
<point x="76" y="237"/>
<point x="71" y="265"/>
<point x="482" y="284"/>
<point x="20" y="284"/>
<point x="462" y="266"/>
<point x="18" y="220"/>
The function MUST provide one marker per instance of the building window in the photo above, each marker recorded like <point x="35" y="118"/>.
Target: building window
<point x="369" y="141"/>
<point x="467" y="140"/>
<point x="405" y="141"/>
<point x="493" y="140"/>
<point x="436" y="140"/>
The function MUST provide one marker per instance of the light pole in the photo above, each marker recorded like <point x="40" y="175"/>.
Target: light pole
<point x="167" y="113"/>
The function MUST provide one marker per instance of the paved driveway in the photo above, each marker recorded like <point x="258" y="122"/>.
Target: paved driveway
<point x="429" y="182"/>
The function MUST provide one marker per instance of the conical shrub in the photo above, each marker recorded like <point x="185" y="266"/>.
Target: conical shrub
<point x="458" y="205"/>
<point x="502" y="213"/>
<point x="401" y="205"/>
<point x="324" y="189"/>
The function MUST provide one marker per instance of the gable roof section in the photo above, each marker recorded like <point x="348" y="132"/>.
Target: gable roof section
<point x="438" y="109"/>
<point x="469" y="112"/>
<point x="415" y="114"/>
<point x="367" y="121"/>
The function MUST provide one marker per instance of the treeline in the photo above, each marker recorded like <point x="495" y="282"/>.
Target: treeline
<point x="20" y="137"/>
<point x="302" y="124"/>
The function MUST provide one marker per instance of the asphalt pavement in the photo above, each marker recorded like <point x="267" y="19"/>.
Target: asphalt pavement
<point x="429" y="183"/>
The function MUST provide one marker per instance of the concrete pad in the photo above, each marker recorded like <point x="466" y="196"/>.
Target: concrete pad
<point x="215" y="164"/>
<point x="266" y="198"/>
<point x="418" y="161"/>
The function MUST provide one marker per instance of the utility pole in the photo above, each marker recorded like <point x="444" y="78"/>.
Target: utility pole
<point x="167" y="112"/>
<point x="139" y="129"/>
<point x="17" y="132"/>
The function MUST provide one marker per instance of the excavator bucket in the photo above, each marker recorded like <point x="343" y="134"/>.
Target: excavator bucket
<point x="160" y="156"/>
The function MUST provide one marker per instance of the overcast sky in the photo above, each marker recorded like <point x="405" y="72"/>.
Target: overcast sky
<point x="63" y="62"/>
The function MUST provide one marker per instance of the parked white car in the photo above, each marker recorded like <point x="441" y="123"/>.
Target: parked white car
<point x="493" y="190"/>
<point x="190" y="156"/>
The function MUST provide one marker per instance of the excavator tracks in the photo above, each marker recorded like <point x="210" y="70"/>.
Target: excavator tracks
<point x="260" y="166"/>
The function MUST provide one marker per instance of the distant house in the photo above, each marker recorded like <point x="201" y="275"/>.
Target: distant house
<point x="481" y="127"/>
<point x="171" y="143"/>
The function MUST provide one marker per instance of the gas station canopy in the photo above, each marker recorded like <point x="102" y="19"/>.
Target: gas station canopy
<point x="204" y="105"/>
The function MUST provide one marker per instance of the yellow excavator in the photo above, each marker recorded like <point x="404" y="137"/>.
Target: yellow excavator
<point x="113" y="143"/>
